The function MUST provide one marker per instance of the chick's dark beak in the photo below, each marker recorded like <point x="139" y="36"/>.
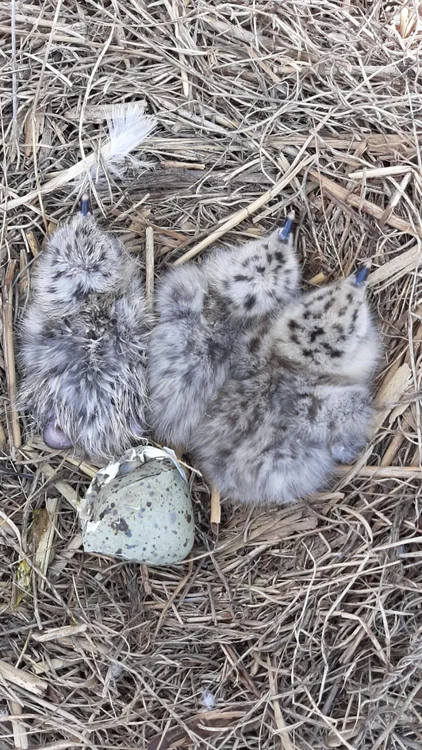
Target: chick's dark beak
<point x="361" y="275"/>
<point x="285" y="230"/>
<point x="85" y="205"/>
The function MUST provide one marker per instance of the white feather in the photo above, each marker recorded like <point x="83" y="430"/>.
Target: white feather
<point x="128" y="127"/>
<point x="208" y="699"/>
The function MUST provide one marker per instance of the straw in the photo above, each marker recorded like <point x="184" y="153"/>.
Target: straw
<point x="303" y="623"/>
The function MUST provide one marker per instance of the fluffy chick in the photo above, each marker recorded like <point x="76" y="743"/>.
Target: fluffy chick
<point x="275" y="432"/>
<point x="206" y="316"/>
<point x="83" y="343"/>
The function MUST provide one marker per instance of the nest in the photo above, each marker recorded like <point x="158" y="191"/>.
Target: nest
<point x="287" y="628"/>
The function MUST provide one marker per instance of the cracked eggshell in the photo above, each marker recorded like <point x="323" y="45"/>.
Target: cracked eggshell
<point x="139" y="509"/>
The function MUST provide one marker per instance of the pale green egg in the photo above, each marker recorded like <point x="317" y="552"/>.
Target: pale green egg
<point x="140" y="510"/>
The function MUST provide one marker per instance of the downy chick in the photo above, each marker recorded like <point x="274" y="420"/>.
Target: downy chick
<point x="206" y="315"/>
<point x="275" y="434"/>
<point x="83" y="342"/>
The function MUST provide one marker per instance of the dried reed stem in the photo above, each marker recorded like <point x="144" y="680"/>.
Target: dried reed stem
<point x="22" y="679"/>
<point x="215" y="518"/>
<point x="383" y="472"/>
<point x="282" y="730"/>
<point x="20" y="735"/>
<point x="372" y="209"/>
<point x="9" y="351"/>
<point x="149" y="266"/>
<point x="379" y="172"/>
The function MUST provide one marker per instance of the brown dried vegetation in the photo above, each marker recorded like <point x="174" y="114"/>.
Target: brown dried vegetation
<point x="304" y="623"/>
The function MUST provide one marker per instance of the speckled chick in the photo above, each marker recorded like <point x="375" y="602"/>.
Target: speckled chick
<point x="83" y="343"/>
<point x="276" y="430"/>
<point x="207" y="313"/>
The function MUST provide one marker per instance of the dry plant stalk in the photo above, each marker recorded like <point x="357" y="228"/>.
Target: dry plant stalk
<point x="2" y="437"/>
<point x="379" y="172"/>
<point x="63" y="487"/>
<point x="404" y="263"/>
<point x="372" y="209"/>
<point x="43" y="532"/>
<point x="283" y="734"/>
<point x="20" y="735"/>
<point x="23" y="275"/>
<point x="22" y="679"/>
<point x="9" y="351"/>
<point x="149" y="266"/>
<point x="215" y="518"/>
<point x="399" y="193"/>
<point x="383" y="472"/>
<point x="85" y="468"/>
<point x="202" y="725"/>
<point x="56" y="633"/>
<point x="241" y="215"/>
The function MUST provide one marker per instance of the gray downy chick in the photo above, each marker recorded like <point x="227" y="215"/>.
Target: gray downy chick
<point x="276" y="433"/>
<point x="83" y="342"/>
<point x="206" y="316"/>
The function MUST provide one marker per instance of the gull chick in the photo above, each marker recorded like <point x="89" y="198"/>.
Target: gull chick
<point x="206" y="316"/>
<point x="83" y="342"/>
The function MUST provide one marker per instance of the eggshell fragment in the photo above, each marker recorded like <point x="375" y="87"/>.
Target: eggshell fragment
<point x="139" y="509"/>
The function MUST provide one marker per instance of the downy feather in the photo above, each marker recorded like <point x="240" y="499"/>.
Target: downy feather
<point x="128" y="127"/>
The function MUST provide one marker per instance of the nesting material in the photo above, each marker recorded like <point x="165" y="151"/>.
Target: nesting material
<point x="303" y="622"/>
<point x="138" y="508"/>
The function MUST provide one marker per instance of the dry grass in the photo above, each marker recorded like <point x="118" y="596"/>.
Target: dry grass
<point x="304" y="623"/>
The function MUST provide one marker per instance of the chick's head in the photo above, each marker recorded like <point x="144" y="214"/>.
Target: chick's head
<point x="330" y="330"/>
<point x="80" y="258"/>
<point x="257" y="279"/>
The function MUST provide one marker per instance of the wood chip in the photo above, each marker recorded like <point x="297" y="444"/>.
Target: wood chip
<point x="55" y="634"/>
<point x="22" y="679"/>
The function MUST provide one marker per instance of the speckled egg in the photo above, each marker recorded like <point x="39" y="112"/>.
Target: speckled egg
<point x="139" y="509"/>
